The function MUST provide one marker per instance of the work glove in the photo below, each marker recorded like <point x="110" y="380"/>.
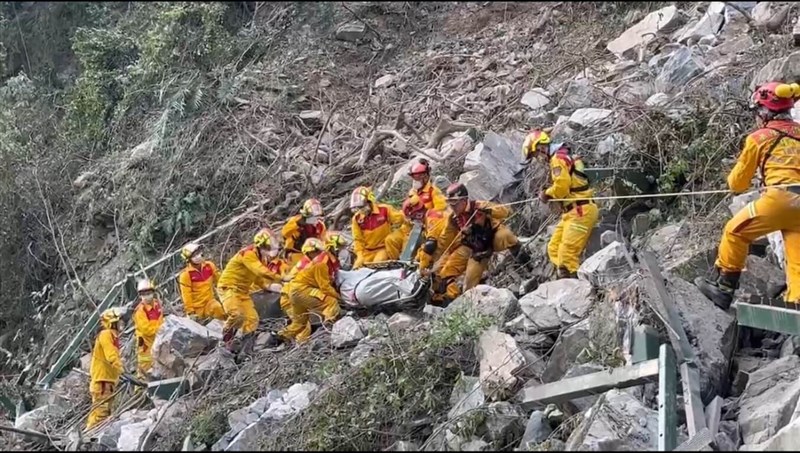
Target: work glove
<point x="543" y="196"/>
<point x="274" y="287"/>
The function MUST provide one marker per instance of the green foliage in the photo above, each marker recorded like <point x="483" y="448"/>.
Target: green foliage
<point x="208" y="426"/>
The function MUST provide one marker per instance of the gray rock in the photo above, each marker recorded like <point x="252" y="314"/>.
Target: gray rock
<point x="681" y="67"/>
<point x="35" y="420"/>
<point x="709" y="24"/>
<point x="141" y="152"/>
<point x="461" y="144"/>
<point x="363" y="351"/>
<point x="786" y="439"/>
<point x="676" y="255"/>
<point x="640" y="224"/>
<point x="657" y="100"/>
<point x="614" y="144"/>
<point x="352" y="31"/>
<point x="791" y="346"/>
<point x="311" y="116"/>
<point x="769" y="400"/>
<point x="661" y="22"/>
<point x="486" y="300"/>
<point x="566" y="350"/>
<point x="607" y="238"/>
<point x="401" y="322"/>
<point x="108" y="436"/>
<point x="605" y="266"/>
<point x="179" y="339"/>
<point x="555" y="304"/>
<point x="710" y="330"/>
<point x="467" y="396"/>
<point x="131" y="435"/>
<point x="536" y="431"/>
<point x="402" y="445"/>
<point x="433" y="311"/>
<point x="297" y="398"/>
<point x="783" y="69"/>
<point x="492" y="166"/>
<point x="500" y="359"/>
<point x="578" y="94"/>
<point x="586" y="118"/>
<point x="504" y="422"/>
<point x="247" y="439"/>
<point x="536" y="99"/>
<point x="617" y="422"/>
<point x="346" y="332"/>
<point x="475" y="445"/>
<point x="385" y="81"/>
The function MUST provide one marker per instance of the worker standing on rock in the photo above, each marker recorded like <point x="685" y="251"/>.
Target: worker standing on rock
<point x="313" y="289"/>
<point x="479" y="231"/>
<point x="105" y="369"/>
<point x="774" y="149"/>
<point x="307" y="224"/>
<point x="197" y="282"/>
<point x="422" y="187"/>
<point x="248" y="267"/>
<point x="377" y="229"/>
<point x="147" y="319"/>
<point x="568" y="181"/>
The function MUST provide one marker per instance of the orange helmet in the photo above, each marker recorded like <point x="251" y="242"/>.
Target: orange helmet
<point x="534" y="138"/>
<point x="776" y="96"/>
<point x="413" y="208"/>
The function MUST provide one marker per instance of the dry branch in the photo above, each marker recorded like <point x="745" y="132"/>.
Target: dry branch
<point x="447" y="126"/>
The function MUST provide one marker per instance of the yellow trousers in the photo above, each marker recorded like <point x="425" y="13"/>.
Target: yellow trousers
<point x="303" y="304"/>
<point x="213" y="310"/>
<point x="144" y="362"/>
<point x="460" y="261"/>
<point x="776" y="210"/>
<point x="392" y="248"/>
<point x="571" y="236"/>
<point x="240" y="310"/>
<point x="102" y="397"/>
<point x="286" y="303"/>
<point x="292" y="258"/>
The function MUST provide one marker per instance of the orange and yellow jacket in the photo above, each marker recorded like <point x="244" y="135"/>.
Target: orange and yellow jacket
<point x="476" y="224"/>
<point x="295" y="234"/>
<point x="147" y="319"/>
<point x="197" y="286"/>
<point x="244" y="270"/>
<point x="779" y="166"/>
<point x="565" y="181"/>
<point x="369" y="232"/>
<point x="431" y="196"/>
<point x="106" y="365"/>
<point x="435" y="226"/>
<point x="317" y="279"/>
<point x="279" y="267"/>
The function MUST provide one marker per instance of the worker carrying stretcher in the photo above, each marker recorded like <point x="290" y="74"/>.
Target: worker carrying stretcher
<point x="377" y="229"/>
<point x="774" y="150"/>
<point x="568" y="182"/>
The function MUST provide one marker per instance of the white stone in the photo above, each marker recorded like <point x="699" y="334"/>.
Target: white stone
<point x="663" y="21"/>
<point x="467" y="396"/>
<point x="401" y="322"/>
<point x="346" y="332"/>
<point x="589" y="117"/>
<point x="487" y="300"/>
<point x="500" y="359"/>
<point x="536" y="99"/>
<point x="617" y="422"/>
<point x="130" y="436"/>
<point x="657" y="100"/>
<point x="297" y="398"/>
<point x="709" y="23"/>
<point x="385" y="81"/>
<point x="555" y="304"/>
<point x="492" y="166"/>
<point x="605" y="266"/>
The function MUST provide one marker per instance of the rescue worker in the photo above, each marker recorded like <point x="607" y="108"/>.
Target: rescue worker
<point x="568" y="181"/>
<point x="313" y="289"/>
<point x="434" y="222"/>
<point x="378" y="229"/>
<point x="774" y="149"/>
<point x="147" y="319"/>
<point x="307" y="224"/>
<point x="286" y="304"/>
<point x="248" y="267"/>
<point x="197" y="282"/>
<point x="482" y="232"/>
<point x="421" y="186"/>
<point x="105" y="368"/>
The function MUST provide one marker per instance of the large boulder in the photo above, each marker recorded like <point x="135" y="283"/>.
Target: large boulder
<point x="681" y="67"/>
<point x="605" y="266"/>
<point x="132" y="435"/>
<point x="569" y="345"/>
<point x="618" y="421"/>
<point x="587" y="118"/>
<point x="179" y="339"/>
<point x="35" y="420"/>
<point x="785" y="69"/>
<point x="108" y="437"/>
<point x="556" y="304"/>
<point x="711" y="332"/>
<point x="500" y="359"/>
<point x="536" y="99"/>
<point x="492" y="167"/>
<point x="787" y="439"/>
<point x="487" y="300"/>
<point x="661" y="22"/>
<point x="503" y="423"/>
<point x="346" y="332"/>
<point x="537" y="430"/>
<point x="709" y="24"/>
<point x="467" y="396"/>
<point x="769" y="399"/>
<point x="676" y="255"/>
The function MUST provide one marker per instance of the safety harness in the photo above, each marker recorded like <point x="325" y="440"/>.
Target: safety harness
<point x="768" y="154"/>
<point x="575" y="165"/>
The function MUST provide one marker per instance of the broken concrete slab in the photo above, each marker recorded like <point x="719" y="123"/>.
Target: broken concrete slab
<point x="346" y="332"/>
<point x="500" y="359"/>
<point x="556" y="304"/>
<point x="605" y="266"/>
<point x="618" y="421"/>
<point x="769" y="400"/>
<point x="663" y="21"/>
<point x="498" y="303"/>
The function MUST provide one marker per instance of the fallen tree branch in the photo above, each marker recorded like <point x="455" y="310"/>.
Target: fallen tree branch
<point x="447" y="126"/>
<point x="29" y="433"/>
<point x="381" y="135"/>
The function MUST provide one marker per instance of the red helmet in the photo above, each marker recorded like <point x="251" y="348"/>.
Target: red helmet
<point x="456" y="191"/>
<point x="776" y="96"/>
<point x="419" y="168"/>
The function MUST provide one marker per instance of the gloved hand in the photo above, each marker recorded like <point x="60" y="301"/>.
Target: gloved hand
<point x="274" y="287"/>
<point x="194" y="318"/>
<point x="543" y="196"/>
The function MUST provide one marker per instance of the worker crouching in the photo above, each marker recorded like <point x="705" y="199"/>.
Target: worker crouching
<point x="482" y="232"/>
<point x="774" y="149"/>
<point x="579" y="214"/>
<point x="105" y="368"/>
<point x="378" y="229"/>
<point x="307" y="224"/>
<point x="147" y="319"/>
<point x="196" y="283"/>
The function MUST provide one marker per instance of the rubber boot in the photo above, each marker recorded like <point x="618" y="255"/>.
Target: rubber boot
<point x="228" y="336"/>
<point x="720" y="291"/>
<point x="275" y="340"/>
<point x="520" y="254"/>
<point x="563" y="272"/>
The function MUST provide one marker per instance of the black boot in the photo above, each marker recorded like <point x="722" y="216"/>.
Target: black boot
<point x="720" y="291"/>
<point x="228" y="336"/>
<point x="520" y="254"/>
<point x="563" y="272"/>
<point x="248" y="343"/>
<point x="275" y="340"/>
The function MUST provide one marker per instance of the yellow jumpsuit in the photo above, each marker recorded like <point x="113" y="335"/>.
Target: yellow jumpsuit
<point x="235" y="284"/>
<point x="104" y="371"/>
<point x="147" y="319"/>
<point x="778" y="209"/>
<point x="295" y="235"/>
<point x="488" y="217"/>
<point x="286" y="304"/>
<point x="435" y="225"/>
<point x="312" y="291"/>
<point x="197" y="291"/>
<point x="378" y="236"/>
<point x="579" y="218"/>
<point x="431" y="196"/>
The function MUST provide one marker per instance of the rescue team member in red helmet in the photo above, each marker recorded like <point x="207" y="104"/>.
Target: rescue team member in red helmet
<point x="568" y="181"/>
<point x="421" y="186"/>
<point x="307" y="224"/>
<point x="774" y="150"/>
<point x="482" y="233"/>
<point x="377" y="229"/>
<point x="434" y="223"/>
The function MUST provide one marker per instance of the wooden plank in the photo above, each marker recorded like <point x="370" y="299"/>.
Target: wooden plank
<point x="698" y="442"/>
<point x="765" y="317"/>
<point x="588" y="384"/>
<point x="667" y="396"/>
<point x="693" y="403"/>
<point x="714" y="414"/>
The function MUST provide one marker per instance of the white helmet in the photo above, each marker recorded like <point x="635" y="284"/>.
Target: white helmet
<point x="145" y="285"/>
<point x="188" y="250"/>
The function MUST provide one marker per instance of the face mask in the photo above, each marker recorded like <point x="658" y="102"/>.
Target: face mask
<point x="148" y="297"/>
<point x="417" y="184"/>
<point x="197" y="259"/>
